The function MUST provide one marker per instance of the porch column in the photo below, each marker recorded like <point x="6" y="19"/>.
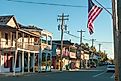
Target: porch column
<point x="33" y="62"/>
<point x="16" y="51"/>
<point x="0" y="39"/>
<point x="0" y="50"/>
<point x="46" y="62"/>
<point x="22" y="61"/>
<point x="39" y="55"/>
<point x="28" y="54"/>
<point x="28" y="61"/>
<point x="50" y="60"/>
<point x="22" y="53"/>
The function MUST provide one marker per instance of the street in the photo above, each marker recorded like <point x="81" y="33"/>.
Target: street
<point x="98" y="74"/>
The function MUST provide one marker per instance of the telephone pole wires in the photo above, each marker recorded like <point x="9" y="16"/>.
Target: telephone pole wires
<point x="62" y="27"/>
<point x="81" y="32"/>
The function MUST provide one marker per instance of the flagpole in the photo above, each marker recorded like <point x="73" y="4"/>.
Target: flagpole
<point x="104" y="8"/>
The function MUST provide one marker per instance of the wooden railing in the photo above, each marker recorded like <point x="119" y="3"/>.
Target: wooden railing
<point x="20" y="45"/>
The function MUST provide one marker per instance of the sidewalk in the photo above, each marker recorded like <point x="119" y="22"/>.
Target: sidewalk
<point x="101" y="68"/>
<point x="11" y="74"/>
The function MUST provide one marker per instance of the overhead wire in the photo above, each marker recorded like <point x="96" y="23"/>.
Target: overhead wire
<point x="52" y="4"/>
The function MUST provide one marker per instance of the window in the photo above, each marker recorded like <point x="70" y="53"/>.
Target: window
<point x="73" y="50"/>
<point x="6" y="37"/>
<point x="43" y="56"/>
<point x="43" y="59"/>
<point x="12" y="40"/>
<point x="49" y="40"/>
<point x="44" y="39"/>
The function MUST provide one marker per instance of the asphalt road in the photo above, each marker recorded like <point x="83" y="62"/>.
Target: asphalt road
<point x="83" y="75"/>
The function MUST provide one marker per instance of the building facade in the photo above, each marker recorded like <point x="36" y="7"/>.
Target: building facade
<point x="17" y="46"/>
<point x="21" y="50"/>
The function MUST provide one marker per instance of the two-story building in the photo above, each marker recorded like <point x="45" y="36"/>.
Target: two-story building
<point x="23" y="48"/>
<point x="17" y="49"/>
<point x="43" y="63"/>
<point x="69" y="55"/>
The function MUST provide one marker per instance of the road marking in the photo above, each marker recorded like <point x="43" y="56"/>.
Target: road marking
<point x="113" y="76"/>
<point x="99" y="74"/>
<point x="89" y="70"/>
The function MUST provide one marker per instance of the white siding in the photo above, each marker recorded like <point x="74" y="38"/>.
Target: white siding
<point x="11" y="23"/>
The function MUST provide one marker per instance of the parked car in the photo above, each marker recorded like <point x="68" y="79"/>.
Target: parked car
<point x="92" y="65"/>
<point x="111" y="68"/>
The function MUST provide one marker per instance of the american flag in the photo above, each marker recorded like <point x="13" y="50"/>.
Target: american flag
<point x="93" y="12"/>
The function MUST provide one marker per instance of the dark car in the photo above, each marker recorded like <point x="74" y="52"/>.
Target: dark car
<point x="92" y="65"/>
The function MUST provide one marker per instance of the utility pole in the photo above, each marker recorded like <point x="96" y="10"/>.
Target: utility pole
<point x="99" y="47"/>
<point x="116" y="10"/>
<point x="92" y="48"/>
<point x="117" y="37"/>
<point x="93" y="42"/>
<point x="62" y="27"/>
<point x="81" y="35"/>
<point x="80" y="44"/>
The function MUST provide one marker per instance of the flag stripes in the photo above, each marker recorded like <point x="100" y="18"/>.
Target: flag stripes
<point x="93" y="12"/>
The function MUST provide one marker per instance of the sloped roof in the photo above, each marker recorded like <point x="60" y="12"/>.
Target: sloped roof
<point x="5" y="19"/>
<point x="29" y="27"/>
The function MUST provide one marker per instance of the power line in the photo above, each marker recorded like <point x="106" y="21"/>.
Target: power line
<point x="88" y="39"/>
<point x="72" y="35"/>
<point x="52" y="4"/>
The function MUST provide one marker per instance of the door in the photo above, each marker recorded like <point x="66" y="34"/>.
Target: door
<point x="11" y="64"/>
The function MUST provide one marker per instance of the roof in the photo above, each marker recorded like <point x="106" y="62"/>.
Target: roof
<point x="29" y="27"/>
<point x="64" y="42"/>
<point x="5" y="19"/>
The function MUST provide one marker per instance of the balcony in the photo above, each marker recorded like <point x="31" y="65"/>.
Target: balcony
<point x="29" y="47"/>
<point x="25" y="46"/>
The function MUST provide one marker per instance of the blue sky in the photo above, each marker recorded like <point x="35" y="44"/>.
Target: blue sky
<point x="45" y="16"/>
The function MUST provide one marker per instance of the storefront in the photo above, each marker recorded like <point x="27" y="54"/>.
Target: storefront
<point x="46" y="61"/>
<point x="72" y="62"/>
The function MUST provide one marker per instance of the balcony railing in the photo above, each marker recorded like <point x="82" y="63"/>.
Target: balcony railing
<point x="27" y="46"/>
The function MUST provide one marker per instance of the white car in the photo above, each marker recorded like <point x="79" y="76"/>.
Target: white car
<point x="111" y="68"/>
